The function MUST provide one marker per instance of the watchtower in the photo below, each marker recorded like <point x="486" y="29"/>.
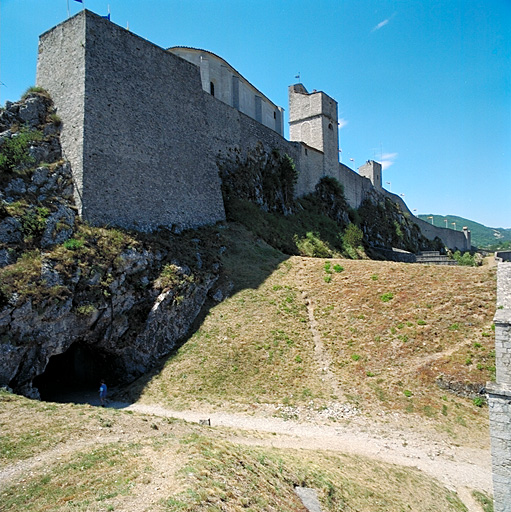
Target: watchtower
<point x="372" y="170"/>
<point x="313" y="121"/>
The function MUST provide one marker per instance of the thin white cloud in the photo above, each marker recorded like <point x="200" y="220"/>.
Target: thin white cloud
<point x="382" y="23"/>
<point x="387" y="159"/>
<point x="342" y="122"/>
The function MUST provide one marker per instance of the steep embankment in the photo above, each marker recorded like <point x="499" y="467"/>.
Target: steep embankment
<point x="338" y="338"/>
<point x="265" y="365"/>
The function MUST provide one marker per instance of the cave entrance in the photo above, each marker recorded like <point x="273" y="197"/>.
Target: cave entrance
<point x="74" y="375"/>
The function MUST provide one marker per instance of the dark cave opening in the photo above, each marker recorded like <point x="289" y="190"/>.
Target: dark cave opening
<point x="75" y="375"/>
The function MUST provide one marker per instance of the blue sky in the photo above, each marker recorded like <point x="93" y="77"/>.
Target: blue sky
<point x="424" y="86"/>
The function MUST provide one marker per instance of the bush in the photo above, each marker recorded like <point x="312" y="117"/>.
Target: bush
<point x="478" y="401"/>
<point x="73" y="244"/>
<point x="466" y="259"/>
<point x="386" y="297"/>
<point x="353" y="236"/>
<point x="14" y="151"/>
<point x="33" y="222"/>
<point x="312" y="245"/>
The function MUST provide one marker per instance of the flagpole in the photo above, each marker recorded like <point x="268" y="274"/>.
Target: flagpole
<point x="68" y="8"/>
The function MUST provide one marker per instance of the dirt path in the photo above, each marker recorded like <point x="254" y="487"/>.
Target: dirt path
<point x="323" y="360"/>
<point x="13" y="472"/>
<point x="458" y="468"/>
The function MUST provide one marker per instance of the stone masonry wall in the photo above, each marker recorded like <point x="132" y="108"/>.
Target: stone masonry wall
<point x="499" y="394"/>
<point x="60" y="69"/>
<point x="451" y="238"/>
<point x="146" y="157"/>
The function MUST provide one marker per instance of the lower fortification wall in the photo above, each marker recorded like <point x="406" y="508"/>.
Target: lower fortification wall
<point x="454" y="240"/>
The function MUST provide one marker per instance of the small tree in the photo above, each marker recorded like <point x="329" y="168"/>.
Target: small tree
<point x="353" y="236"/>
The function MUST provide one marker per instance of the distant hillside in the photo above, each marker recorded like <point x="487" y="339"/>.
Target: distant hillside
<point x="482" y="236"/>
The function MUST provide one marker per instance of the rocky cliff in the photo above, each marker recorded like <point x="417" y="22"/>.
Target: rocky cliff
<point x="114" y="301"/>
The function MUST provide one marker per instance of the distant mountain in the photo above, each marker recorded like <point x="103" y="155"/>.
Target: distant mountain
<point x="483" y="237"/>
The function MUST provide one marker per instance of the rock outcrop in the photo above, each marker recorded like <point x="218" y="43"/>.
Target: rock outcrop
<point x="125" y="301"/>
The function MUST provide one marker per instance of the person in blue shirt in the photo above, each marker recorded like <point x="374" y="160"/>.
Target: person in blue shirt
<point x="102" y="393"/>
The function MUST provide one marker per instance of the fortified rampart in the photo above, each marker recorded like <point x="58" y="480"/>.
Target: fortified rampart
<point x="144" y="138"/>
<point x="499" y="394"/>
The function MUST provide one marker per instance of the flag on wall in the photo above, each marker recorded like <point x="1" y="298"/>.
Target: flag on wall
<point x="81" y="1"/>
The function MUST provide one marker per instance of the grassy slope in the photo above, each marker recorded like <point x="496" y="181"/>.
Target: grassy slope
<point x="90" y="459"/>
<point x="257" y="346"/>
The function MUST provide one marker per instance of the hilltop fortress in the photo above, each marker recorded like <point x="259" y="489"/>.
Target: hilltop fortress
<point x="144" y="129"/>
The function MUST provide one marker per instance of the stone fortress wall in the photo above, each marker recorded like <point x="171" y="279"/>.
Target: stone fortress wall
<point x="143" y="136"/>
<point x="499" y="394"/>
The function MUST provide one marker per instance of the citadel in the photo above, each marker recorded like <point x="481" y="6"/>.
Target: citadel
<point x="144" y="128"/>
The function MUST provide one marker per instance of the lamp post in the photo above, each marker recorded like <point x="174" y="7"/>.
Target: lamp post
<point x="431" y="217"/>
<point x="454" y="224"/>
<point x="389" y="184"/>
<point x="445" y="220"/>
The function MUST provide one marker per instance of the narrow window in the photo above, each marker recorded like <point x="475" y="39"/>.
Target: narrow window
<point x="212" y="88"/>
<point x="330" y="126"/>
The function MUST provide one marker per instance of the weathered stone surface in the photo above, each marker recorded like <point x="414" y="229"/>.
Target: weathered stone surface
<point x="6" y="257"/>
<point x="33" y="111"/>
<point x="499" y="394"/>
<point x="10" y="231"/>
<point x="309" y="498"/>
<point x="59" y="227"/>
<point x="115" y="327"/>
<point x="15" y="188"/>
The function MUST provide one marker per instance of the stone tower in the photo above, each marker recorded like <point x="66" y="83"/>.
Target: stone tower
<point x="372" y="170"/>
<point x="499" y="394"/>
<point x="313" y="121"/>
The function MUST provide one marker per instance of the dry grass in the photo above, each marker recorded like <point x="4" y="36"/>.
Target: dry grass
<point x="114" y="460"/>
<point x="257" y="346"/>
<point x="381" y="358"/>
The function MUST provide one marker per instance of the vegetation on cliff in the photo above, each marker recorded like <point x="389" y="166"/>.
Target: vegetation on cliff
<point x="259" y="193"/>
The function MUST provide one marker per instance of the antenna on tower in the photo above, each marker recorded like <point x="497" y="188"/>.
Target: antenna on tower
<point x="298" y="76"/>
